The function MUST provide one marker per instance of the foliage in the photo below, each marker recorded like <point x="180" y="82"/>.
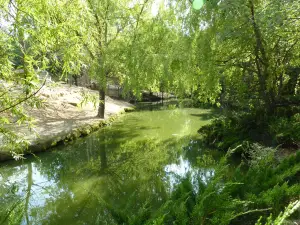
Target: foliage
<point x="239" y="50"/>
<point x="34" y="36"/>
<point x="235" y="197"/>
<point x="224" y="132"/>
<point x="286" y="131"/>
<point x="125" y="182"/>
<point x="237" y="128"/>
<point x="227" y="53"/>
<point x="292" y="207"/>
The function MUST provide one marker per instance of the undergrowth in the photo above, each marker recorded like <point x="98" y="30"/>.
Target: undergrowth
<point x="255" y="192"/>
<point x="233" y="130"/>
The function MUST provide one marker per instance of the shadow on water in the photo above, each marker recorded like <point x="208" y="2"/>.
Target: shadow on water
<point x="212" y="114"/>
<point x="107" y="176"/>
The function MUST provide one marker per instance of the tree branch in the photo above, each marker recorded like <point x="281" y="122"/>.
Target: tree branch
<point x="25" y="99"/>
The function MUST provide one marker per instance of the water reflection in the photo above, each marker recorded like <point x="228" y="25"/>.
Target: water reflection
<point x="175" y="172"/>
<point x="107" y="177"/>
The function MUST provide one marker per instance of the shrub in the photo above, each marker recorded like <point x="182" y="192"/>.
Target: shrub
<point x="233" y="130"/>
<point x="286" y="131"/>
<point x="244" y="196"/>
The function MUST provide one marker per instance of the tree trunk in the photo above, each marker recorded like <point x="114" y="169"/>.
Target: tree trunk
<point x="28" y="192"/>
<point x="262" y="64"/>
<point x="103" y="158"/>
<point x="76" y="80"/>
<point x="101" y="109"/>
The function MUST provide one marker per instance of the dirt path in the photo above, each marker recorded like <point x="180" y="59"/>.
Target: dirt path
<point x="62" y="119"/>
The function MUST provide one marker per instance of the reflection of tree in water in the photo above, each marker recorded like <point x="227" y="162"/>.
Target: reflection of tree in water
<point x="133" y="181"/>
<point x="127" y="180"/>
<point x="15" y="203"/>
<point x="118" y="187"/>
<point x="119" y="183"/>
<point x="110" y="188"/>
<point x="28" y="191"/>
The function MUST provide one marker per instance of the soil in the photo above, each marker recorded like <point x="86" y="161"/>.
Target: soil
<point x="62" y="114"/>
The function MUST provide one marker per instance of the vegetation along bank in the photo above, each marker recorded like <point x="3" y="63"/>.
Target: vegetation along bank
<point x="238" y="57"/>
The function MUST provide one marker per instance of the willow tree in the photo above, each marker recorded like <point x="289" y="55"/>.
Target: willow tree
<point x="248" y="47"/>
<point x="158" y="56"/>
<point x="109" y="24"/>
<point x="33" y="34"/>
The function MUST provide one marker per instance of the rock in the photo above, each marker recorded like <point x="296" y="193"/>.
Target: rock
<point x="73" y="104"/>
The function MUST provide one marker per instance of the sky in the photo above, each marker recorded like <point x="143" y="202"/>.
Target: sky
<point x="155" y="7"/>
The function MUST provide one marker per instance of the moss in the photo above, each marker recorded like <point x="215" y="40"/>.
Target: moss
<point x="42" y="145"/>
<point x="95" y="127"/>
<point x="87" y="131"/>
<point x="101" y="124"/>
<point x="69" y="136"/>
<point x="77" y="133"/>
<point x="54" y="143"/>
<point x="129" y="109"/>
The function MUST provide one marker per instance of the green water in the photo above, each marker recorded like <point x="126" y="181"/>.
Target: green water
<point x="108" y="176"/>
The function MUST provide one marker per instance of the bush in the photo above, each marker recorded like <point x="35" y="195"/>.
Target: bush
<point x="260" y="186"/>
<point x="233" y="130"/>
<point x="286" y="131"/>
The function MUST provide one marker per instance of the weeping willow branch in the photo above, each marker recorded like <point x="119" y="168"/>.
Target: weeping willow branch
<point x="24" y="99"/>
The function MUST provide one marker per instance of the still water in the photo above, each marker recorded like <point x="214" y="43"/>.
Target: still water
<point x="114" y="173"/>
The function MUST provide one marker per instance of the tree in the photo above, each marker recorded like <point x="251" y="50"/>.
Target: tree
<point x="250" y="45"/>
<point x="158" y="54"/>
<point x="109" y="25"/>
<point x="33" y="34"/>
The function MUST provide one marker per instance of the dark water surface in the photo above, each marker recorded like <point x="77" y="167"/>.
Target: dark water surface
<point x="100" y="179"/>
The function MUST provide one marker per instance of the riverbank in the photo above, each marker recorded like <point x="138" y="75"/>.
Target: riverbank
<point x="65" y="115"/>
<point x="147" y="168"/>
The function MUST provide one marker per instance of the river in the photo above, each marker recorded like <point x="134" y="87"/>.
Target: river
<point x="134" y="163"/>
